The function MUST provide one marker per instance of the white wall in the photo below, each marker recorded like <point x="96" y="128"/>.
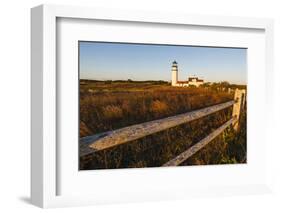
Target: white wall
<point x="174" y="77"/>
<point x="15" y="89"/>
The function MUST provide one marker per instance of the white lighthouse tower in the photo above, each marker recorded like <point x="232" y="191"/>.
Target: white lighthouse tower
<point x="174" y="73"/>
<point x="192" y="81"/>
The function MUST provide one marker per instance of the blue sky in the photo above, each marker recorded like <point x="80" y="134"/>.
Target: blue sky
<point x="116" y="61"/>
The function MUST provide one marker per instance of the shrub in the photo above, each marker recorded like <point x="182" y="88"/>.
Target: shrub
<point x="158" y="107"/>
<point x="112" y="112"/>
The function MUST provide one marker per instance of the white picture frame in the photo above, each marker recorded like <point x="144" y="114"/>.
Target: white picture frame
<point x="44" y="148"/>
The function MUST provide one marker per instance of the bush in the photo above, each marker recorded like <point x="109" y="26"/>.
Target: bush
<point x="112" y="112"/>
<point x="158" y="107"/>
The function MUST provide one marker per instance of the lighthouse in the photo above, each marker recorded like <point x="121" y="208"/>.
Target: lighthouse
<point x="192" y="81"/>
<point x="174" y="73"/>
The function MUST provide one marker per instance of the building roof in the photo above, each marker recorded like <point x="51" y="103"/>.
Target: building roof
<point x="174" y="62"/>
<point x="196" y="78"/>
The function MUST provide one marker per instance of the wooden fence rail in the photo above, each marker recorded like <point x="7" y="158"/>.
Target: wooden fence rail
<point x="195" y="148"/>
<point x="113" y="138"/>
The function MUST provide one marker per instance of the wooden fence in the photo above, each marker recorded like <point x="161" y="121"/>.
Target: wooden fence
<point x="91" y="144"/>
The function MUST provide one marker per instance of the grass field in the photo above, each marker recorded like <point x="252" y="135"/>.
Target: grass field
<point x="111" y="105"/>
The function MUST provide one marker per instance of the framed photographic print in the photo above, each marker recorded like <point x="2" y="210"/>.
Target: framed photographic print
<point x="131" y="117"/>
<point x="130" y="106"/>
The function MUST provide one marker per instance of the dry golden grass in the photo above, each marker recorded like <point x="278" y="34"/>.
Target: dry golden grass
<point x="111" y="105"/>
<point x="112" y="112"/>
<point x="158" y="107"/>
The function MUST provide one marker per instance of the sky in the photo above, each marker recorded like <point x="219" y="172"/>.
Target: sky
<point x="122" y="61"/>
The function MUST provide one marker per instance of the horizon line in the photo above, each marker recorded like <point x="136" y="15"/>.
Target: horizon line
<point x="244" y="84"/>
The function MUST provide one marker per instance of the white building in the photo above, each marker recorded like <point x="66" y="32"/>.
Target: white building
<point x="192" y="81"/>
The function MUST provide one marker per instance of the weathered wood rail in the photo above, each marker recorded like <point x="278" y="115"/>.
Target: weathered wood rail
<point x="195" y="148"/>
<point x="92" y="144"/>
<point x="120" y="136"/>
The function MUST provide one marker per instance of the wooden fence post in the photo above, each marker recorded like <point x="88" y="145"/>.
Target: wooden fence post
<point x="244" y="96"/>
<point x="239" y="98"/>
